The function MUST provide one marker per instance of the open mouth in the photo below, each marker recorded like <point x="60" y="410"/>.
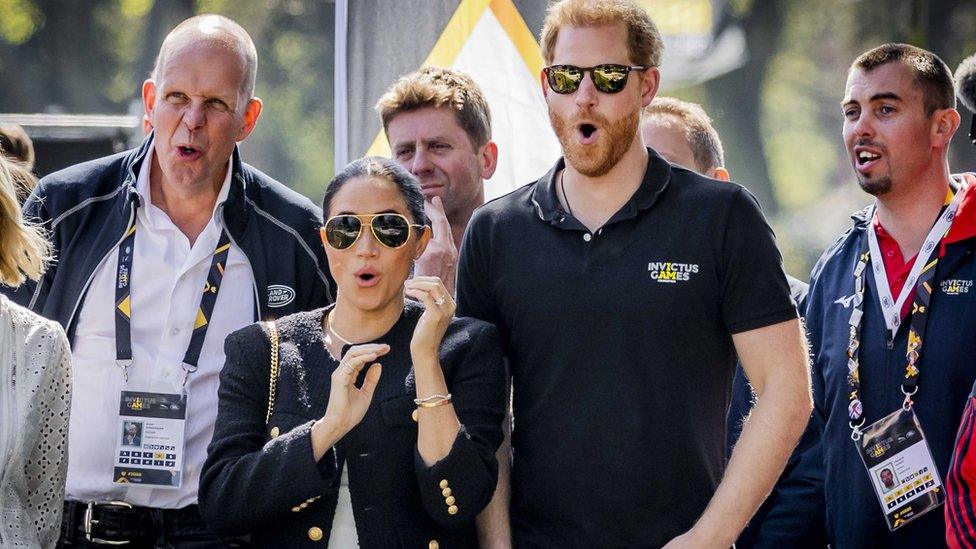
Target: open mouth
<point x="367" y="277"/>
<point x="587" y="133"/>
<point x="187" y="152"/>
<point x="865" y="157"/>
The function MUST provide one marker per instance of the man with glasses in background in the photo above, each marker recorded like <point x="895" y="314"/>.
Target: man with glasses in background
<point x="623" y="288"/>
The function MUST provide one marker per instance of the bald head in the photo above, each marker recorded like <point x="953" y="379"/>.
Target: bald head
<point x="214" y="31"/>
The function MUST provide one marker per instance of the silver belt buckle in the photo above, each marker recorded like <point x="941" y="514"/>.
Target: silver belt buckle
<point x="89" y="521"/>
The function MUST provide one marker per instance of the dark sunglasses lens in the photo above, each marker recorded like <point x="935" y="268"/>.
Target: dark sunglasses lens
<point x="610" y="78"/>
<point x="342" y="231"/>
<point x="391" y="230"/>
<point x="564" y="78"/>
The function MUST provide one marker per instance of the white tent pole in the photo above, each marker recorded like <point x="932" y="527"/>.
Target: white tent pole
<point x="340" y="119"/>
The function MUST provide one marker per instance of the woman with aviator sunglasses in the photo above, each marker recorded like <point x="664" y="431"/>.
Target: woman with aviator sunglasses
<point x="343" y="449"/>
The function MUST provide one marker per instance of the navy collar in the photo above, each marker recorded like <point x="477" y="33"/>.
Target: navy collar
<point x="863" y="216"/>
<point x="134" y="161"/>
<point x="655" y="182"/>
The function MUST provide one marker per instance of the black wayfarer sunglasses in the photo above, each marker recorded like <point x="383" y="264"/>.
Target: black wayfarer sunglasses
<point x="608" y="77"/>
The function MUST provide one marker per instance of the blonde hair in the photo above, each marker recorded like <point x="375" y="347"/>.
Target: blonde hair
<point x="24" y="250"/>
<point x="644" y="41"/>
<point x="701" y="136"/>
<point x="440" y="87"/>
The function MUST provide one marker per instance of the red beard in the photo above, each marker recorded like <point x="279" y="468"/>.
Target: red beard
<point x="597" y="159"/>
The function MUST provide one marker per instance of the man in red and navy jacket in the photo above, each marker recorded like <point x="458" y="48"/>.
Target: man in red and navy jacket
<point x="899" y="111"/>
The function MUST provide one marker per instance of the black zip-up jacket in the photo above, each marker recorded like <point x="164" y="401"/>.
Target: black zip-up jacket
<point x="87" y="208"/>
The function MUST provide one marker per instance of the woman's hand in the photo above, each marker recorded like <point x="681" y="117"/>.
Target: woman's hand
<point x="347" y="404"/>
<point x="439" y="309"/>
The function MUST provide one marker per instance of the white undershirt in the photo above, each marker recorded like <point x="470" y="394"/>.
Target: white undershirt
<point x="344" y="524"/>
<point x="168" y="276"/>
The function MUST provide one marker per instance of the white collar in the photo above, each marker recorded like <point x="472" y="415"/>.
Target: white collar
<point x="142" y="186"/>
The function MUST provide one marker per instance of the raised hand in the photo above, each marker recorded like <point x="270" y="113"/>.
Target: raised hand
<point x="348" y="404"/>
<point x="439" y="309"/>
<point x="441" y="256"/>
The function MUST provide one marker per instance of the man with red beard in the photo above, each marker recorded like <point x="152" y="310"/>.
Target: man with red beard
<point x="624" y="287"/>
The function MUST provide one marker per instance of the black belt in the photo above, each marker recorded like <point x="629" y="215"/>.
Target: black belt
<point x="120" y="523"/>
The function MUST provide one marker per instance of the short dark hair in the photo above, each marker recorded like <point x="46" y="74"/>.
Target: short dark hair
<point x="384" y="168"/>
<point x="932" y="76"/>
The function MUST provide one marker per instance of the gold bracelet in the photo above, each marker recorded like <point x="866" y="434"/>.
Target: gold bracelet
<point x="433" y="401"/>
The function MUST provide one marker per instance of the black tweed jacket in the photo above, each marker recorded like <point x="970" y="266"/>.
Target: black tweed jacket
<point x="262" y="479"/>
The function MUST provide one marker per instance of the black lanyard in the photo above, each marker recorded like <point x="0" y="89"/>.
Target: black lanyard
<point x="123" y="302"/>
<point x="916" y="333"/>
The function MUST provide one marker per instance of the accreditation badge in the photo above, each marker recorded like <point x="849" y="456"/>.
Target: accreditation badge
<point x="150" y="442"/>
<point x="901" y="468"/>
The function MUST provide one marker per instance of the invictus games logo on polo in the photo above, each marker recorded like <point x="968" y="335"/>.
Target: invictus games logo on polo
<point x="280" y="295"/>
<point x="956" y="286"/>
<point x="670" y="272"/>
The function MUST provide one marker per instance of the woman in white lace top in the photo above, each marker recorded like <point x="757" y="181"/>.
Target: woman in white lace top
<point x="34" y="390"/>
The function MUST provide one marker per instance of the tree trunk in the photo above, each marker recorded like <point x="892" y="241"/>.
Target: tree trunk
<point x="735" y="101"/>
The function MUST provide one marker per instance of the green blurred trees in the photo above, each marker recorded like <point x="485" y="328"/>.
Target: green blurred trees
<point x="92" y="57"/>
<point x="779" y="114"/>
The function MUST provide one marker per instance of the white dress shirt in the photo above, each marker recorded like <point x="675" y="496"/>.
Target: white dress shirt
<point x="167" y="281"/>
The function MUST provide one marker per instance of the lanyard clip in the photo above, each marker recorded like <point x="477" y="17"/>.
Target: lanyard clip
<point x="908" y="402"/>
<point x="124" y="364"/>
<point x="856" y="433"/>
<point x="187" y="370"/>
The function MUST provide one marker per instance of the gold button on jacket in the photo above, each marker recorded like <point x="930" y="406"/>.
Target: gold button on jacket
<point x="403" y="505"/>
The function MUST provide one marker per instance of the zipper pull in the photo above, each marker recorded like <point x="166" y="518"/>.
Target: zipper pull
<point x="891" y="343"/>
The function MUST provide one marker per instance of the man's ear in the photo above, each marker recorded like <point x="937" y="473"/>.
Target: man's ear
<point x="149" y="98"/>
<point x="251" y="114"/>
<point x="719" y="173"/>
<point x="488" y="158"/>
<point x="544" y="83"/>
<point x="650" y="81"/>
<point x="945" y="122"/>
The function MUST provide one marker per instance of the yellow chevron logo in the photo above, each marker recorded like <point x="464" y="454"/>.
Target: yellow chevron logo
<point x="201" y="320"/>
<point x="125" y="307"/>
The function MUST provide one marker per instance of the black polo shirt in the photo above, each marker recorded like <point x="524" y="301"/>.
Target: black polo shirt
<point x="620" y="348"/>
